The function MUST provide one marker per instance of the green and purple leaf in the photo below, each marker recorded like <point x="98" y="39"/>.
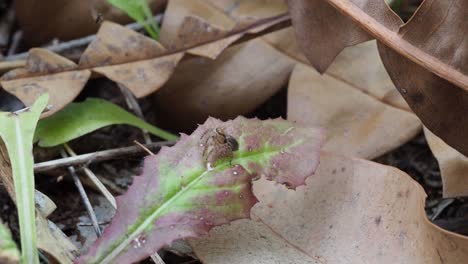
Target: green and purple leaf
<point x="179" y="196"/>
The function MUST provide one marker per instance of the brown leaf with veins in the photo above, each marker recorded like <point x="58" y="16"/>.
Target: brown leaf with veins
<point x="438" y="28"/>
<point x="359" y="71"/>
<point x="351" y="211"/>
<point x="323" y="32"/>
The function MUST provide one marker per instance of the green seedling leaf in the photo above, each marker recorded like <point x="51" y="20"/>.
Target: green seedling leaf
<point x="78" y="119"/>
<point x="17" y="131"/>
<point x="8" y="252"/>
<point x="180" y="194"/>
<point x="140" y="11"/>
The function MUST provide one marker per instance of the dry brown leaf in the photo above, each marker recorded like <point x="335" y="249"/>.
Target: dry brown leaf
<point x="229" y="86"/>
<point x="124" y="56"/>
<point x="190" y="22"/>
<point x="44" y="20"/>
<point x="432" y="60"/>
<point x="62" y="86"/>
<point x="359" y="67"/>
<point x="357" y="124"/>
<point x="350" y="211"/>
<point x="438" y="28"/>
<point x="115" y="46"/>
<point x="323" y="32"/>
<point x="196" y="30"/>
<point x="453" y="166"/>
<point x="178" y="10"/>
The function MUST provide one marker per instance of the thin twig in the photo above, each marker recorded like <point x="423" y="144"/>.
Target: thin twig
<point x="98" y="156"/>
<point x="94" y="179"/>
<point x="84" y="197"/>
<point x="144" y="148"/>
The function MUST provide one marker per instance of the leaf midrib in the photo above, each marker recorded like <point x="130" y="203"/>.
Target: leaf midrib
<point x="153" y="216"/>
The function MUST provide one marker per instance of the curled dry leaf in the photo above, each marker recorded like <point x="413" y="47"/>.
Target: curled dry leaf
<point x="453" y="166"/>
<point x="426" y="58"/>
<point x="323" y="32"/>
<point x="439" y="28"/>
<point x="179" y="195"/>
<point x="351" y="211"/>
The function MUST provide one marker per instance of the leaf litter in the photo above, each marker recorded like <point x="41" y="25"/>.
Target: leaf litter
<point x="356" y="85"/>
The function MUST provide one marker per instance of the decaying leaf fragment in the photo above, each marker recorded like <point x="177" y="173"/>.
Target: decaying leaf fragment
<point x="351" y="211"/>
<point x="426" y="57"/>
<point x="179" y="196"/>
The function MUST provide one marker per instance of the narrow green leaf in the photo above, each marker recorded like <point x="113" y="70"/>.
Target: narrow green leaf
<point x="78" y="119"/>
<point x="203" y="181"/>
<point x="8" y="252"/>
<point x="140" y="11"/>
<point x="17" y="131"/>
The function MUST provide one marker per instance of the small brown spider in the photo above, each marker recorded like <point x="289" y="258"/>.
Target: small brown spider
<point x="217" y="145"/>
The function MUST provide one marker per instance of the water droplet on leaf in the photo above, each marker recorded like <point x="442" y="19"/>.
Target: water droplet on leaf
<point x="139" y="242"/>
<point x="208" y="166"/>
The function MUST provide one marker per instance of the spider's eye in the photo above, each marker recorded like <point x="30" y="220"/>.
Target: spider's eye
<point x="232" y="142"/>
